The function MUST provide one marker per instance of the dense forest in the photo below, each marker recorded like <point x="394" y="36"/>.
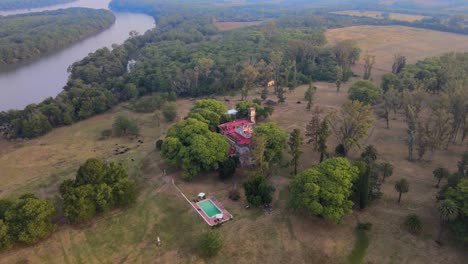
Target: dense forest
<point x="20" y="4"/>
<point x="31" y="35"/>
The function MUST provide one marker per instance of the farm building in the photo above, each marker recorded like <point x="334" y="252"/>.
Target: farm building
<point x="239" y="133"/>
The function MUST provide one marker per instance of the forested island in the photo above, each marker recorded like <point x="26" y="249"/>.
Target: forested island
<point x="21" y="4"/>
<point x="29" y="36"/>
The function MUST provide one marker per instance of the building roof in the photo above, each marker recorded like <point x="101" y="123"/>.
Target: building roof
<point x="229" y="130"/>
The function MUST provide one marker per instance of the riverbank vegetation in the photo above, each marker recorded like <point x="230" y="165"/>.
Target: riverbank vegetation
<point x="23" y="4"/>
<point x="29" y="36"/>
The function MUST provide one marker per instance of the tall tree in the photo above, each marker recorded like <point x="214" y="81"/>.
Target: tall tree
<point x="448" y="211"/>
<point x="399" y="62"/>
<point x="313" y="127"/>
<point x="346" y="53"/>
<point x="275" y="140"/>
<point x="249" y="75"/>
<point x="351" y="124"/>
<point x="322" y="136"/>
<point x="401" y="186"/>
<point x="410" y="130"/>
<point x="338" y="77"/>
<point x="295" y="142"/>
<point x="370" y="154"/>
<point x="280" y="95"/>
<point x="369" y="61"/>
<point x="309" y="95"/>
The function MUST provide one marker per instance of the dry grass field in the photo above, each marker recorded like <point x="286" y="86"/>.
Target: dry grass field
<point x="225" y="26"/>
<point x="379" y="15"/>
<point x="385" y="41"/>
<point x="128" y="236"/>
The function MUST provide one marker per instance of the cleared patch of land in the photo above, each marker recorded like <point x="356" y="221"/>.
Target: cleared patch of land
<point x="380" y="15"/>
<point x="253" y="236"/>
<point x="386" y="41"/>
<point x="224" y="26"/>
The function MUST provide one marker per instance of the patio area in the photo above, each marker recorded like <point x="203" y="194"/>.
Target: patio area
<point x="212" y="211"/>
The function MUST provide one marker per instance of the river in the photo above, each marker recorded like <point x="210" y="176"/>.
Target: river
<point x="31" y="82"/>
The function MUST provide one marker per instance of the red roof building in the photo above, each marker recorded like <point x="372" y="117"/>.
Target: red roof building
<point x="239" y="133"/>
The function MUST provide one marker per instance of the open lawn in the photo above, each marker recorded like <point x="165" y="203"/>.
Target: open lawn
<point x="379" y="15"/>
<point x="253" y="236"/>
<point x="386" y="41"/>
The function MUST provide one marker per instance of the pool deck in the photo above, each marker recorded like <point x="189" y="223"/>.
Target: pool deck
<point x="212" y="221"/>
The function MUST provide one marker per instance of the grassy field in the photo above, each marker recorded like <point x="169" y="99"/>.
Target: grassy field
<point x="128" y="236"/>
<point x="385" y="41"/>
<point x="379" y="15"/>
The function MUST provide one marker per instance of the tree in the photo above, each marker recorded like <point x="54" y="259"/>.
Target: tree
<point x="169" y="111"/>
<point x="275" y="140"/>
<point x="258" y="191"/>
<point x="386" y="169"/>
<point x="313" y="127"/>
<point x="363" y="183"/>
<point x="370" y="154"/>
<point x="365" y="92"/>
<point x="411" y="130"/>
<point x="309" y="95"/>
<point x="448" y="211"/>
<point x="369" y="61"/>
<point x="280" y="95"/>
<point x="338" y="77"/>
<point x="191" y="144"/>
<point x="459" y="195"/>
<point x="227" y="168"/>
<point x="351" y="124"/>
<point x="413" y="223"/>
<point x="391" y="102"/>
<point x="30" y="219"/>
<point x="257" y="148"/>
<point x="124" y="126"/>
<point x="210" y="243"/>
<point x="399" y="62"/>
<point x="322" y="136"/>
<point x="401" y="186"/>
<point x="5" y="238"/>
<point x="440" y="173"/>
<point x="264" y="94"/>
<point x="295" y="142"/>
<point x="249" y="75"/>
<point x="346" y="53"/>
<point x="324" y="189"/>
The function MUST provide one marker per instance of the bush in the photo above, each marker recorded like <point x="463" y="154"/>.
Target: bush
<point x="159" y="144"/>
<point x="364" y="226"/>
<point x="227" y="168"/>
<point x="169" y="111"/>
<point x="210" y="243"/>
<point x="413" y="223"/>
<point x="106" y="133"/>
<point x="234" y="194"/>
<point x="124" y="126"/>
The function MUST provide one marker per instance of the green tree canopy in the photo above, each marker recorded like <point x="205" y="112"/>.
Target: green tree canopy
<point x="258" y="191"/>
<point x="275" y="140"/>
<point x="324" y="189"/>
<point x="191" y="144"/>
<point x="365" y="92"/>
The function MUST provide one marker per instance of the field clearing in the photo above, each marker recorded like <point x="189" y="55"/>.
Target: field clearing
<point x="128" y="236"/>
<point x="225" y="26"/>
<point x="385" y="41"/>
<point x="379" y="15"/>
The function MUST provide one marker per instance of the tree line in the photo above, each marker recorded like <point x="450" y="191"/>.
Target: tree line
<point x="28" y="36"/>
<point x="22" y="4"/>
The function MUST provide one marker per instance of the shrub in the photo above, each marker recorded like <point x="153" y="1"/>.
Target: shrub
<point x="227" y="168"/>
<point x="234" y="194"/>
<point x="413" y="223"/>
<point x="210" y="243"/>
<point x="106" y="133"/>
<point x="364" y="226"/>
<point x="169" y="111"/>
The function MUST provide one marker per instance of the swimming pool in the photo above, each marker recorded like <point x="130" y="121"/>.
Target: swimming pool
<point x="209" y="208"/>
